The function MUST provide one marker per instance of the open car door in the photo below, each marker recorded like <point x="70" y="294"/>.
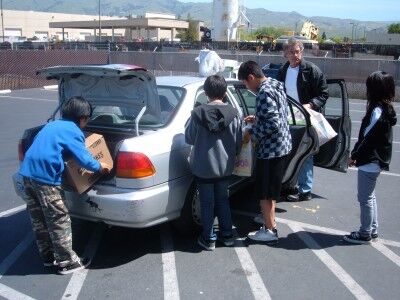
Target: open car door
<point x="334" y="154"/>
<point x="304" y="136"/>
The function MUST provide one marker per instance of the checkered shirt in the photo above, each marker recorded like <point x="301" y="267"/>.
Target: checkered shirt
<point x="271" y="128"/>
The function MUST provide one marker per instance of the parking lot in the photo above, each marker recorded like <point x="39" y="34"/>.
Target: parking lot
<point x="310" y="260"/>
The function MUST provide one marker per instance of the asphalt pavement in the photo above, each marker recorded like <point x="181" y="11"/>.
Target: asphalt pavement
<point x="310" y="260"/>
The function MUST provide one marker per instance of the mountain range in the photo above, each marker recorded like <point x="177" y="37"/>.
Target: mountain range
<point x="199" y="11"/>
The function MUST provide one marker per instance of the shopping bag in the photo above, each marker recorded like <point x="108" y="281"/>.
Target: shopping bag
<point x="244" y="161"/>
<point x="324" y="129"/>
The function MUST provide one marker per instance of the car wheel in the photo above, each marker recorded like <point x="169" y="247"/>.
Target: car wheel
<point x="189" y="223"/>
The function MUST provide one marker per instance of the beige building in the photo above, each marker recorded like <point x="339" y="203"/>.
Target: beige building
<point x="20" y="25"/>
<point x="149" y="27"/>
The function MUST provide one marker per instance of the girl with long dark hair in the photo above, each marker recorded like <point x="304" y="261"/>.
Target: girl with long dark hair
<point x="373" y="151"/>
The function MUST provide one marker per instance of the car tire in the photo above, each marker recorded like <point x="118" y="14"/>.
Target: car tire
<point x="189" y="222"/>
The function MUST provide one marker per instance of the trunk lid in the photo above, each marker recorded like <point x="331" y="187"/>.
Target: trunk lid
<point x="118" y="93"/>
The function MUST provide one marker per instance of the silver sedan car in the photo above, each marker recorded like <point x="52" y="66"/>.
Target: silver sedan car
<point x="142" y="119"/>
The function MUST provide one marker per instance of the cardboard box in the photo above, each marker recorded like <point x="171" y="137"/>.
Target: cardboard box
<point x="78" y="177"/>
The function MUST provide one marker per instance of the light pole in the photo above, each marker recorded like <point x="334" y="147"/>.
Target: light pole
<point x="99" y="22"/>
<point x="2" y="21"/>
<point x="352" y="31"/>
<point x="355" y="31"/>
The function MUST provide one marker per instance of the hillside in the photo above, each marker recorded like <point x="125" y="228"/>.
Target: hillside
<point x="201" y="11"/>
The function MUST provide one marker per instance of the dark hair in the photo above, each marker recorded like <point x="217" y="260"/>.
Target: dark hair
<point x="380" y="90"/>
<point x="215" y="87"/>
<point x="76" y="108"/>
<point x="249" y="68"/>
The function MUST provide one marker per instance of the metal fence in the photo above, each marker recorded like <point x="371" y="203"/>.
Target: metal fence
<point x="18" y="68"/>
<point x="329" y="50"/>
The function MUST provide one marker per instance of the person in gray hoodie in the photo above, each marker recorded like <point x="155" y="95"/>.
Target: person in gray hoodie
<point x="214" y="129"/>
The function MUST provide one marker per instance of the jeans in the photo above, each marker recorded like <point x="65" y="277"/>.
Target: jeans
<point x="214" y="197"/>
<point x="306" y="175"/>
<point x="366" y="198"/>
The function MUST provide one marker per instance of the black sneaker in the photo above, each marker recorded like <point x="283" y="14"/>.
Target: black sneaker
<point x="292" y="198"/>
<point x="227" y="241"/>
<point x="49" y="263"/>
<point x="74" y="266"/>
<point x="356" y="238"/>
<point x="305" y="196"/>
<point x="374" y="236"/>
<point x="206" y="244"/>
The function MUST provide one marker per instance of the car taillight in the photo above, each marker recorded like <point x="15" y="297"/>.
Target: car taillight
<point x="134" y="165"/>
<point x="21" y="153"/>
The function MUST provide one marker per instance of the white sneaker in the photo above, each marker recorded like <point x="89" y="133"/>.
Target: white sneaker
<point x="263" y="235"/>
<point x="259" y="219"/>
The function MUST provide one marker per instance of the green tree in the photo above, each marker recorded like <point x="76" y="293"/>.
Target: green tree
<point x="338" y="39"/>
<point x="191" y="34"/>
<point x="394" y="28"/>
<point x="324" y="36"/>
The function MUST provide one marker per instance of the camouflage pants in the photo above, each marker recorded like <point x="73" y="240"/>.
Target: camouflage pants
<point x="50" y="221"/>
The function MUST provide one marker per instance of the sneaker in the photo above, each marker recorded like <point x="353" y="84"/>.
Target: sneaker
<point x="49" y="263"/>
<point x="289" y="191"/>
<point x="356" y="238"/>
<point x="228" y="241"/>
<point x="259" y="219"/>
<point x="292" y="197"/>
<point x="374" y="236"/>
<point x="74" y="266"/>
<point x="299" y="197"/>
<point x="264" y="235"/>
<point x="305" y="196"/>
<point x="206" y="244"/>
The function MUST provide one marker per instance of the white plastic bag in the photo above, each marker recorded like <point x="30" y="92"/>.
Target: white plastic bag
<point x="209" y="63"/>
<point x="244" y="161"/>
<point x="324" y="129"/>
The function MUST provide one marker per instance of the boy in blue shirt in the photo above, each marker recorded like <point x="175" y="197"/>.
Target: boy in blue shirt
<point x="42" y="170"/>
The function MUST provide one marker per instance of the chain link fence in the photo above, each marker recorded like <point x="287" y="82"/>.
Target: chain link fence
<point x="18" y="67"/>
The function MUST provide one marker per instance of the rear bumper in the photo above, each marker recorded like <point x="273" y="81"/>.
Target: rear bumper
<point x="136" y="208"/>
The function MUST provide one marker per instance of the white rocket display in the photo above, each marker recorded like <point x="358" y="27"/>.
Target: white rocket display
<point x="226" y="19"/>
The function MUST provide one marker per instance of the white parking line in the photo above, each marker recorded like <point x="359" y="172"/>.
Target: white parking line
<point x="12" y="211"/>
<point x="76" y="282"/>
<point x="27" y="98"/>
<point x="316" y="227"/>
<point x="15" y="254"/>
<point x="360" y="122"/>
<point x="170" y="278"/>
<point x="51" y="87"/>
<point x="355" y="139"/>
<point x="382" y="173"/>
<point x="6" y="291"/>
<point x="253" y="277"/>
<point x="332" y="265"/>
<point x="10" y="293"/>
<point x="378" y="245"/>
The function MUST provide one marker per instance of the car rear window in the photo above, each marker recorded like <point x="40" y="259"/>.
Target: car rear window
<point x="123" y="114"/>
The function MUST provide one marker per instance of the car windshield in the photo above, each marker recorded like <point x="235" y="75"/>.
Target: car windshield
<point x="123" y="114"/>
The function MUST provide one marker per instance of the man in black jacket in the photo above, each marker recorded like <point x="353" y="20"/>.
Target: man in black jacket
<point x="305" y="83"/>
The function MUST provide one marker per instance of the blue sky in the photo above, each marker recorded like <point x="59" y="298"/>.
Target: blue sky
<point x="363" y="10"/>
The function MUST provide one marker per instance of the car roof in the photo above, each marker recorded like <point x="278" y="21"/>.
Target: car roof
<point x="181" y="81"/>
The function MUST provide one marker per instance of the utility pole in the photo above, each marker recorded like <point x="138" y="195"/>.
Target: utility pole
<point x="2" y="21"/>
<point x="99" y="21"/>
<point x="352" y="31"/>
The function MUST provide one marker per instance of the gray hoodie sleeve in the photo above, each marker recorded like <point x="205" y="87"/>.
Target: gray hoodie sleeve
<point x="190" y="131"/>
